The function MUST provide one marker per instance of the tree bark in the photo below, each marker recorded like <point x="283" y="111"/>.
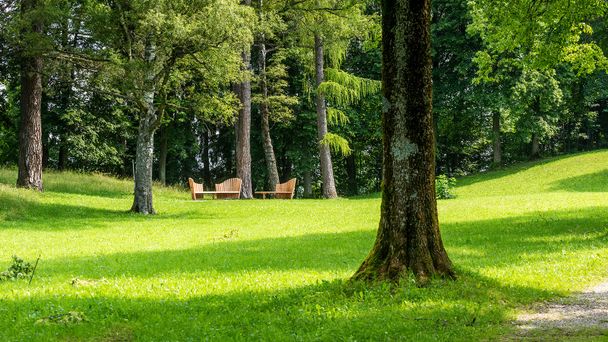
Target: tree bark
<point x="243" y="127"/>
<point x="149" y="122"/>
<point x="162" y="155"/>
<point x="271" y="161"/>
<point x="496" y="138"/>
<point x="30" y="129"/>
<point x="408" y="238"/>
<point x="243" y="133"/>
<point x="327" y="171"/>
<point x="144" y="158"/>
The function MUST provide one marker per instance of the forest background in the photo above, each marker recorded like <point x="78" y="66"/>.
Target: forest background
<point x="504" y="90"/>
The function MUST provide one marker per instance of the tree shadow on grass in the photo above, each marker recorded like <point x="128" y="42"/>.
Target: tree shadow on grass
<point x="528" y="238"/>
<point x="486" y="243"/>
<point x="472" y="308"/>
<point x="224" y="254"/>
<point x="593" y="182"/>
<point x="79" y="184"/>
<point x="20" y="212"/>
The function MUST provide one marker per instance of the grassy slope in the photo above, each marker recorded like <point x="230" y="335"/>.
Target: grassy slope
<point x="276" y="270"/>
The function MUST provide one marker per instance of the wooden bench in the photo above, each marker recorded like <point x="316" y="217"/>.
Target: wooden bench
<point x="229" y="189"/>
<point x="282" y="190"/>
<point x="222" y="190"/>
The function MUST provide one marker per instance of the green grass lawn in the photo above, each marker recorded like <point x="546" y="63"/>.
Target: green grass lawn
<point x="278" y="270"/>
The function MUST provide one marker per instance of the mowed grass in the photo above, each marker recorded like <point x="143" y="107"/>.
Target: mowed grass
<point x="278" y="270"/>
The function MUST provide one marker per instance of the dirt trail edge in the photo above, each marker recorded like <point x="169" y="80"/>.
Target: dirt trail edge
<point x="582" y="312"/>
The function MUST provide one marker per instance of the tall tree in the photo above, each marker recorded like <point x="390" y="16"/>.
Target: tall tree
<point x="30" y="129"/>
<point x="408" y="238"/>
<point x="326" y="28"/>
<point x="156" y="47"/>
<point x="327" y="170"/>
<point x="269" y="156"/>
<point x="243" y="125"/>
<point x="274" y="104"/>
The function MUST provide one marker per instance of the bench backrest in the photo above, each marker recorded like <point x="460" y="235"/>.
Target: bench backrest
<point x="232" y="184"/>
<point x="289" y="186"/>
<point x="195" y="187"/>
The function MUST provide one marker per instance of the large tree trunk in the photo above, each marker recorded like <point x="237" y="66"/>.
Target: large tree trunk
<point x="408" y="238"/>
<point x="271" y="161"/>
<point x="30" y="129"/>
<point x="162" y="155"/>
<point x="496" y="138"/>
<point x="327" y="171"/>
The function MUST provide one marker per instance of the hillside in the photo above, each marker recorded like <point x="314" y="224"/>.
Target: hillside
<point x="277" y="270"/>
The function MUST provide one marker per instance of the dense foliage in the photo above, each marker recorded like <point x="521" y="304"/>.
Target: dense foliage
<point x="509" y="85"/>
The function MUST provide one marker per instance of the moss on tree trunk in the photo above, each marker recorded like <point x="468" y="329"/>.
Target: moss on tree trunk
<point x="408" y="238"/>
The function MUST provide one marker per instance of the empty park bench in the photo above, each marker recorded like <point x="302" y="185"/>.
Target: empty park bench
<point x="228" y="189"/>
<point x="281" y="191"/>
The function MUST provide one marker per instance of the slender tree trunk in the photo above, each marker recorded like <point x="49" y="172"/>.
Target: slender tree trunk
<point x="162" y="155"/>
<point x="243" y="127"/>
<point x="30" y="129"/>
<point x="144" y="158"/>
<point x="535" y="149"/>
<point x="271" y="161"/>
<point x="351" y="171"/>
<point x="144" y="154"/>
<point x="206" y="160"/>
<point x="327" y="171"/>
<point x="496" y="138"/>
<point x="307" y="184"/>
<point x="408" y="238"/>
<point x="243" y="142"/>
<point x="68" y="77"/>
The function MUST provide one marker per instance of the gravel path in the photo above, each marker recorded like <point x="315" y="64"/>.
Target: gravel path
<point x="587" y="310"/>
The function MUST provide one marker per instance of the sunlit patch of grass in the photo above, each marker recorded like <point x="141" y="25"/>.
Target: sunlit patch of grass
<point x="279" y="270"/>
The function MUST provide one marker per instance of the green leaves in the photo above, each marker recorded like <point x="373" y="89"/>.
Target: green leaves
<point x="336" y="143"/>
<point x="541" y="34"/>
<point x="343" y="89"/>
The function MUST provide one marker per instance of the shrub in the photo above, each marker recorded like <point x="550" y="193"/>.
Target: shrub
<point x="18" y="270"/>
<point x="444" y="187"/>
